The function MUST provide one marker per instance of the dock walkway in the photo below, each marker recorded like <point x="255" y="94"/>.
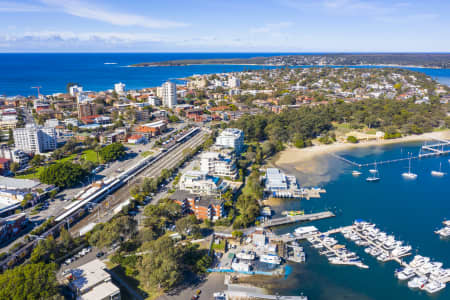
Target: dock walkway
<point x="246" y="295"/>
<point x="294" y="219"/>
<point x="427" y="150"/>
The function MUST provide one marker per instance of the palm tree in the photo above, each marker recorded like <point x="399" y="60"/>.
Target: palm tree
<point x="97" y="149"/>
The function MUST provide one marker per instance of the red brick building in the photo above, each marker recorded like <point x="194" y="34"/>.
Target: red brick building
<point x="203" y="207"/>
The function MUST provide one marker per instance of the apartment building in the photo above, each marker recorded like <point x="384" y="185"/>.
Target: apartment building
<point x="169" y="94"/>
<point x="86" y="109"/>
<point x="198" y="182"/>
<point x="35" y="139"/>
<point x="203" y="207"/>
<point x="231" y="138"/>
<point x="217" y="164"/>
<point x="119" y="88"/>
<point x="75" y="90"/>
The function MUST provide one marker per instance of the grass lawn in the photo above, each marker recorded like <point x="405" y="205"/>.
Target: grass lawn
<point x="90" y="155"/>
<point x="146" y="153"/>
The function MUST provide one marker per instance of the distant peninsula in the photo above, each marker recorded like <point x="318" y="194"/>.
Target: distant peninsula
<point x="423" y="60"/>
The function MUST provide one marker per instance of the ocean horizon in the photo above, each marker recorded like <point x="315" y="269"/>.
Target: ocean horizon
<point x="100" y="71"/>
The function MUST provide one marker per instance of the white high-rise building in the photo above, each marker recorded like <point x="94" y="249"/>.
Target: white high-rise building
<point x="75" y="90"/>
<point x="231" y="138"/>
<point x="169" y="94"/>
<point x="234" y="82"/>
<point x="119" y="88"/>
<point x="216" y="164"/>
<point x="33" y="139"/>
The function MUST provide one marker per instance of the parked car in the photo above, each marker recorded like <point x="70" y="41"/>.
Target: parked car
<point x="100" y="254"/>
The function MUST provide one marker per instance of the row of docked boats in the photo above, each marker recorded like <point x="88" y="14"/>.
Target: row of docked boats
<point x="380" y="245"/>
<point x="421" y="272"/>
<point x="445" y="231"/>
<point x="424" y="274"/>
<point x="336" y="254"/>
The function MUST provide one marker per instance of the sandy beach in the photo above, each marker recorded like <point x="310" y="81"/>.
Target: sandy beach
<point x="313" y="167"/>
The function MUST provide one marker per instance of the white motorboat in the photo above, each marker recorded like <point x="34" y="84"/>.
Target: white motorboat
<point x="444" y="232"/>
<point x="383" y="257"/>
<point x="440" y="274"/>
<point x="270" y="259"/>
<point x="417" y="282"/>
<point x="409" y="174"/>
<point x="429" y="267"/>
<point x="433" y="286"/>
<point x="418" y="261"/>
<point x="405" y="274"/>
<point x="400" y="251"/>
<point x="356" y="173"/>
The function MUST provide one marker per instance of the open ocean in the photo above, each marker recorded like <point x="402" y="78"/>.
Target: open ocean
<point x="409" y="209"/>
<point x="19" y="72"/>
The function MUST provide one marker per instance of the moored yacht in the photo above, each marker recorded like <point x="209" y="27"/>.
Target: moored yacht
<point x="417" y="282"/>
<point x="409" y="174"/>
<point x="374" y="177"/>
<point x="356" y="173"/>
<point x="433" y="286"/>
<point x="438" y="173"/>
<point x="400" y="251"/>
<point x="418" y="261"/>
<point x="270" y="259"/>
<point x="444" y="232"/>
<point x="405" y="274"/>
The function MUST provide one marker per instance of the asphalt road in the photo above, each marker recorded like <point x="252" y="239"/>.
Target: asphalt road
<point x="214" y="283"/>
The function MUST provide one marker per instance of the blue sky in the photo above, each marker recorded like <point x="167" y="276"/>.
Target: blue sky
<point x="224" y="26"/>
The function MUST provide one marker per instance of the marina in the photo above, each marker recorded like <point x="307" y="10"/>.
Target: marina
<point x="426" y="275"/>
<point x="422" y="272"/>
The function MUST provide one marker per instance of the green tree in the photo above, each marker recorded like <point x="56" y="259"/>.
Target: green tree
<point x="162" y="268"/>
<point x="112" y="152"/>
<point x="65" y="174"/>
<point x="29" y="281"/>
<point x="14" y="167"/>
<point x="10" y="137"/>
<point x="352" y="139"/>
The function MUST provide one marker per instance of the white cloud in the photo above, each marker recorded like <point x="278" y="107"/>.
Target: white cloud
<point x="270" y="28"/>
<point x="8" y="6"/>
<point x="108" y="37"/>
<point x="416" y="18"/>
<point x="88" y="11"/>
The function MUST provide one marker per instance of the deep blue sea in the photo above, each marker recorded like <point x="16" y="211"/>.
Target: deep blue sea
<point x="20" y="72"/>
<point x="410" y="209"/>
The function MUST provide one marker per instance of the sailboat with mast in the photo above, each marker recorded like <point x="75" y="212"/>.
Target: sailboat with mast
<point x="409" y="174"/>
<point x="374" y="174"/>
<point x="438" y="173"/>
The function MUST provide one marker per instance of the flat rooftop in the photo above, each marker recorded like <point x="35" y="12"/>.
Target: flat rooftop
<point x="17" y="184"/>
<point x="89" y="275"/>
<point x="101" y="291"/>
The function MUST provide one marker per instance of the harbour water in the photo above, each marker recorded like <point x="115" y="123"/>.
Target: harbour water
<point x="409" y="209"/>
<point x="99" y="71"/>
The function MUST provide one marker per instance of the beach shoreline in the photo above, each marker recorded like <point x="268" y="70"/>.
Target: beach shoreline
<point x="306" y="159"/>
